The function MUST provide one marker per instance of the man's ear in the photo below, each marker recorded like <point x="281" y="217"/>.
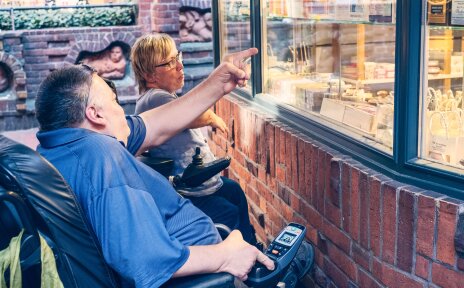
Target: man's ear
<point x="94" y="116"/>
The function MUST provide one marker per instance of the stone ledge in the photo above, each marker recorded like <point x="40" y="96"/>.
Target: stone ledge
<point x="196" y="46"/>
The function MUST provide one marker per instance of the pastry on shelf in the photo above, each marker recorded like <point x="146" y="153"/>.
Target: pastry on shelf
<point x="382" y="97"/>
<point x="433" y="68"/>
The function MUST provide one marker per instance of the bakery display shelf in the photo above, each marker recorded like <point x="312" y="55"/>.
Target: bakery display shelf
<point x="324" y="20"/>
<point x="444" y="76"/>
<point x="444" y="28"/>
<point x="369" y="81"/>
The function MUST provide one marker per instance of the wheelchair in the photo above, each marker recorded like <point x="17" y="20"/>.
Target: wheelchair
<point x="36" y="198"/>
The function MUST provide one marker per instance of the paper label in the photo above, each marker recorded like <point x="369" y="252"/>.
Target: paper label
<point x="457" y="12"/>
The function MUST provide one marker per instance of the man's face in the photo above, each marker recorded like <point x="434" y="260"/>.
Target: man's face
<point x="116" y="54"/>
<point x="170" y="78"/>
<point x="104" y="101"/>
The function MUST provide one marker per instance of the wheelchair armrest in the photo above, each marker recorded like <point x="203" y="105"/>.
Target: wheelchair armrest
<point x="161" y="165"/>
<point x="213" y="280"/>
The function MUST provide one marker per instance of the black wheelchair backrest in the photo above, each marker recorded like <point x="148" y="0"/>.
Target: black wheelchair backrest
<point x="57" y="214"/>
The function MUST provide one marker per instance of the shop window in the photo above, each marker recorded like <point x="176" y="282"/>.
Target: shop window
<point x="442" y="133"/>
<point x="235" y="32"/>
<point x="379" y="80"/>
<point x="336" y="63"/>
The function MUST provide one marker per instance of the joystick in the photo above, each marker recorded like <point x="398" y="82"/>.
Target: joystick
<point x="198" y="172"/>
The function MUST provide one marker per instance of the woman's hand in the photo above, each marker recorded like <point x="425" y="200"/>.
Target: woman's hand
<point x="218" y="123"/>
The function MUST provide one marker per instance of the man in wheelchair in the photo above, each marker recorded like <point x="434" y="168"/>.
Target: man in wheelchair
<point x="146" y="232"/>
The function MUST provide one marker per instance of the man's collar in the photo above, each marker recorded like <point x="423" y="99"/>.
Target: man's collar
<point x="49" y="139"/>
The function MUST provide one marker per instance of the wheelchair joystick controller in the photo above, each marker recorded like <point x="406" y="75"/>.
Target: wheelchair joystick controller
<point x="198" y="172"/>
<point x="282" y="250"/>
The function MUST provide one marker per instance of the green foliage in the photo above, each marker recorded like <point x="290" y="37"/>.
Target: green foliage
<point x="68" y="17"/>
<point x="5" y="22"/>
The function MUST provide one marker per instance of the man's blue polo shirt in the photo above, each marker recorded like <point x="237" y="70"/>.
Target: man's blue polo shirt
<point x="143" y="225"/>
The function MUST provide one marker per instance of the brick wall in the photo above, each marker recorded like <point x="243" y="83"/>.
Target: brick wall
<point x="38" y="52"/>
<point x="165" y="17"/>
<point x="368" y="230"/>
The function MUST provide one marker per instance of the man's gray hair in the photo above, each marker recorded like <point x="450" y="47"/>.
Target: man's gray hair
<point x="62" y="97"/>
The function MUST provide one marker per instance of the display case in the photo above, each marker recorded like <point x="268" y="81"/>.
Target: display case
<point x="336" y="63"/>
<point x="442" y="131"/>
<point x="235" y="31"/>
<point x="380" y="79"/>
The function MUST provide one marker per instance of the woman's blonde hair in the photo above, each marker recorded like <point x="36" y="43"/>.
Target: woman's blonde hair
<point x="148" y="51"/>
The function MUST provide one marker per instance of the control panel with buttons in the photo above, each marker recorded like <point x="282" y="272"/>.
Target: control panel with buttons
<point x="282" y="250"/>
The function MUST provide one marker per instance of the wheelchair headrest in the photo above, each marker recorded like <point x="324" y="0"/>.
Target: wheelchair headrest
<point x="80" y="259"/>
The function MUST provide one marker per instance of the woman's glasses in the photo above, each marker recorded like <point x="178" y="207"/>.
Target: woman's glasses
<point x="173" y="62"/>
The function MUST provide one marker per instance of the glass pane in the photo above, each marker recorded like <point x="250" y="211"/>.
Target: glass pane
<point x="234" y="29"/>
<point x="333" y="61"/>
<point x="442" y="134"/>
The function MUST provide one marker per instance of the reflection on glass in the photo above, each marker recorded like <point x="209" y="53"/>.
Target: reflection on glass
<point x="235" y="29"/>
<point x="442" y="133"/>
<point x="334" y="61"/>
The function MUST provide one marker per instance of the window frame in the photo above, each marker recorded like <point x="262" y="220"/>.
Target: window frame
<point x="403" y="165"/>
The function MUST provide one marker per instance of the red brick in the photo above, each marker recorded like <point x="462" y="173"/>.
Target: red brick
<point x="311" y="234"/>
<point x="307" y="172"/>
<point x="287" y="213"/>
<point x="404" y="242"/>
<point x="237" y="126"/>
<point x="336" y="236"/>
<point x="360" y="256"/>
<point x="446" y="230"/>
<point x="312" y="216"/>
<point x="294" y="155"/>
<point x="282" y="145"/>
<point x="393" y="278"/>
<point x="288" y="158"/>
<point x="332" y="213"/>
<point x="280" y="173"/>
<point x="284" y="193"/>
<point x="301" y="168"/>
<point x="321" y="180"/>
<point x="314" y="175"/>
<point x="253" y="131"/>
<point x="295" y="202"/>
<point x="315" y="165"/>
<point x="422" y="267"/>
<point x="262" y="173"/>
<point x="264" y="191"/>
<point x="335" y="274"/>
<point x="262" y="148"/>
<point x="271" y="182"/>
<point x="251" y="167"/>
<point x="366" y="280"/>
<point x="252" y="195"/>
<point x="364" y="210"/>
<point x="445" y="277"/>
<point x="355" y="205"/>
<point x="425" y="225"/>
<point x="239" y="157"/>
<point x="374" y="215"/>
<point x="346" y="199"/>
<point x="271" y="149"/>
<point x="389" y="223"/>
<point x="277" y="131"/>
<point x="342" y="261"/>
<point x="319" y="257"/>
<point x="333" y="183"/>
<point x="276" y="218"/>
